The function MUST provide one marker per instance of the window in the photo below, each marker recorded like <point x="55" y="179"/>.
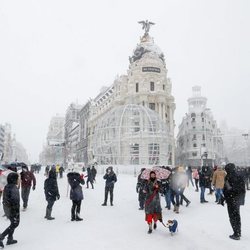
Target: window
<point x="194" y="127"/>
<point x="163" y="86"/>
<point x="152" y="86"/>
<point x="152" y="106"/>
<point x="134" y="153"/>
<point x="153" y="153"/>
<point x="194" y="145"/>
<point x="202" y="119"/>
<point x="194" y="137"/>
<point x="194" y="154"/>
<point x="203" y="137"/>
<point x="137" y="87"/>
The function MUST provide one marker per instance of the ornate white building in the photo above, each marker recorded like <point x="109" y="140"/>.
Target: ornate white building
<point x="131" y="121"/>
<point x="199" y="141"/>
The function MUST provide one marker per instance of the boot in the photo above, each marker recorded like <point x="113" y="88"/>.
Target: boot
<point x="78" y="218"/>
<point x="155" y="225"/>
<point x="10" y="241"/>
<point x="174" y="208"/>
<point x="150" y="228"/>
<point x="177" y="209"/>
<point x="104" y="203"/>
<point x="49" y="215"/>
<point x="234" y="237"/>
<point x="73" y="217"/>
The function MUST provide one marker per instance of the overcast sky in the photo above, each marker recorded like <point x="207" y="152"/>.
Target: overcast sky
<point x="54" y="52"/>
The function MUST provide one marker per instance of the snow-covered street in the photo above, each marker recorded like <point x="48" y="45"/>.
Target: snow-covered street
<point x="201" y="226"/>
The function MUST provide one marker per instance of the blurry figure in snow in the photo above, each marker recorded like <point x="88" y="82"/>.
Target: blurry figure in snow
<point x="139" y="189"/>
<point x="47" y="171"/>
<point x="189" y="175"/>
<point x="204" y="181"/>
<point x="51" y="193"/>
<point x="218" y="182"/>
<point x="61" y="170"/>
<point x="166" y="189"/>
<point x="90" y="178"/>
<point x="178" y="184"/>
<point x="57" y="170"/>
<point x="93" y="172"/>
<point x="11" y="203"/>
<point x="76" y="195"/>
<point x="152" y="202"/>
<point x="27" y="180"/>
<point x="234" y="194"/>
<point x="196" y="179"/>
<point x="111" y="179"/>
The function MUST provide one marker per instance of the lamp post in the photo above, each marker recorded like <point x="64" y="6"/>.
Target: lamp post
<point x="245" y="136"/>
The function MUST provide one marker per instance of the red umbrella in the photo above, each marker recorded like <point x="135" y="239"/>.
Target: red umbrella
<point x="161" y="173"/>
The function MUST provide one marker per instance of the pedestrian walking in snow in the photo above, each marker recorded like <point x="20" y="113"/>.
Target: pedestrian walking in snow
<point x="111" y="179"/>
<point x="189" y="176"/>
<point x="27" y="180"/>
<point x="139" y="189"/>
<point x="61" y="170"/>
<point x="153" y="210"/>
<point x="93" y="172"/>
<point x="76" y="195"/>
<point x="11" y="203"/>
<point x="234" y="192"/>
<point x="196" y="179"/>
<point x="90" y="178"/>
<point x="204" y="182"/>
<point x="218" y="182"/>
<point x="51" y="193"/>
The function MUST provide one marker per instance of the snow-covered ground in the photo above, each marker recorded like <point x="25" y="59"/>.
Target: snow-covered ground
<point x="201" y="226"/>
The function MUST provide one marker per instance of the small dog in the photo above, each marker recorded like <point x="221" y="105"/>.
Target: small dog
<point x="172" y="226"/>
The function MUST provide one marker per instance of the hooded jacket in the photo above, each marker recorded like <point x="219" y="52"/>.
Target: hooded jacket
<point x="234" y="188"/>
<point x="11" y="196"/>
<point x="75" y="180"/>
<point x="50" y="186"/>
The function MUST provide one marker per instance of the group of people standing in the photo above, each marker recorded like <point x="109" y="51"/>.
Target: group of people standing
<point x="228" y="183"/>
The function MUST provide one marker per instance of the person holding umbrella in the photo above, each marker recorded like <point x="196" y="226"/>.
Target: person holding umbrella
<point x="152" y="203"/>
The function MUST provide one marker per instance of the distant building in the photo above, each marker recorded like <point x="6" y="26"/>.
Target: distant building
<point x="71" y="132"/>
<point x="54" y="151"/>
<point x="199" y="141"/>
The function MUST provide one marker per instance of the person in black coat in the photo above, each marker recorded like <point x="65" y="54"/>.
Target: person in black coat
<point x="51" y="193"/>
<point x="111" y="179"/>
<point x="93" y="172"/>
<point x="234" y="194"/>
<point x="204" y="179"/>
<point x="90" y="178"/>
<point x="76" y="194"/>
<point x="139" y="189"/>
<point x="11" y="203"/>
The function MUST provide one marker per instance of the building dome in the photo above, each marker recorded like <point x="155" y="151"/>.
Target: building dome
<point x="147" y="45"/>
<point x="131" y="134"/>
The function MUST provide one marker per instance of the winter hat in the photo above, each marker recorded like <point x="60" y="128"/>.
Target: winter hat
<point x="12" y="178"/>
<point x="230" y="168"/>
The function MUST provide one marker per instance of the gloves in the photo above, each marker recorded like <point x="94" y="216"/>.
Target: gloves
<point x="58" y="197"/>
<point x="33" y="188"/>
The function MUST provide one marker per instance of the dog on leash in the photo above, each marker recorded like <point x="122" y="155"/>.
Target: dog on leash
<point x="172" y="226"/>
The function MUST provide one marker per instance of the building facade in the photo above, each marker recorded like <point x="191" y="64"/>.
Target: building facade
<point x="54" y="150"/>
<point x="132" y="120"/>
<point x="71" y="128"/>
<point x="199" y="140"/>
